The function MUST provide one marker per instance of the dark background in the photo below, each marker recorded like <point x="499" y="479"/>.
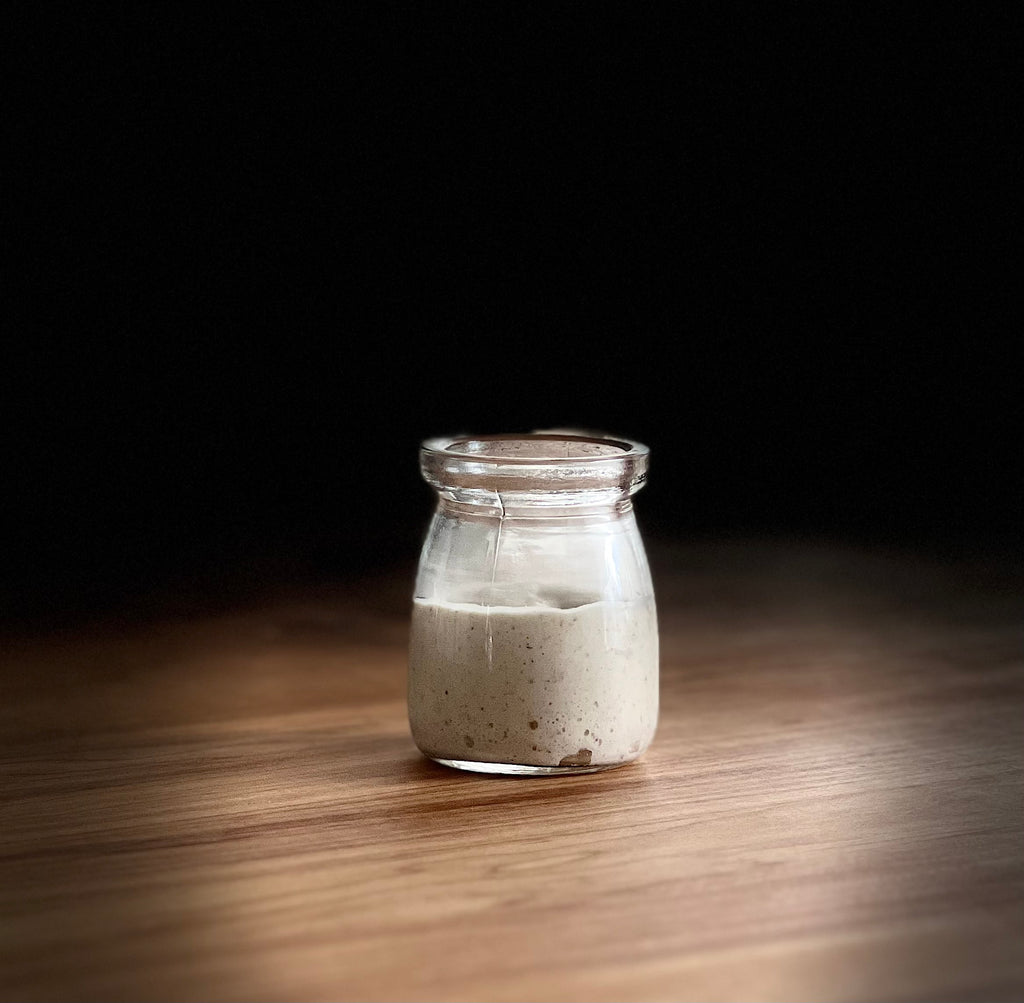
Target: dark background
<point x="259" y="259"/>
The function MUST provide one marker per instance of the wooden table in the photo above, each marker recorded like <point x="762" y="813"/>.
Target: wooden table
<point x="229" y="807"/>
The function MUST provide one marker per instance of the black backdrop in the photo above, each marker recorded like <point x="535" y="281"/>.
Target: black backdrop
<point x="258" y="259"/>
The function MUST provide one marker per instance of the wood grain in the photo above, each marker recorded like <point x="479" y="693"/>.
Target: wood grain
<point x="229" y="806"/>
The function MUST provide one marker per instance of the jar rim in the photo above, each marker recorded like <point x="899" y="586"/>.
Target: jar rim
<point x="543" y="463"/>
<point x="586" y="449"/>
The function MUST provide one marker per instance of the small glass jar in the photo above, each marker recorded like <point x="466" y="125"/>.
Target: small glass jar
<point x="534" y="637"/>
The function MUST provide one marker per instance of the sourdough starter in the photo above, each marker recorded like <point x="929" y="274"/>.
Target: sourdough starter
<point x="536" y="685"/>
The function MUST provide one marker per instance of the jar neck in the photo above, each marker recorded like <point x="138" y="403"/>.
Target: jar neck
<point x="483" y="503"/>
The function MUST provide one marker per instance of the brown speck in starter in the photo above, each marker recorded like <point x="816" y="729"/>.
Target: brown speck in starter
<point x="587" y="732"/>
<point x="581" y="758"/>
<point x="533" y="725"/>
<point x="469" y="741"/>
<point x="535" y="748"/>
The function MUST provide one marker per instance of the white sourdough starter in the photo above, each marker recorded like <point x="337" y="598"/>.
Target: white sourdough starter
<point x="534" y="685"/>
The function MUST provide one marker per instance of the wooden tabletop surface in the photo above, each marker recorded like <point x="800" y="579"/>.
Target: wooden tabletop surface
<point x="228" y="805"/>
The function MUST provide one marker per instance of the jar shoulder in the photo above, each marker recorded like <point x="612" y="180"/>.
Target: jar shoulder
<point x="511" y="561"/>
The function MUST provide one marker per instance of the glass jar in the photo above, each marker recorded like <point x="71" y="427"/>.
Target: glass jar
<point x="534" y="637"/>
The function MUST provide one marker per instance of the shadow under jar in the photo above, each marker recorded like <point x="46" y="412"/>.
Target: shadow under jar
<point x="534" y="637"/>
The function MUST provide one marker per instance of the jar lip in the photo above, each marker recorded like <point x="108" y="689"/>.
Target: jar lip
<point x="547" y="464"/>
<point x="530" y="448"/>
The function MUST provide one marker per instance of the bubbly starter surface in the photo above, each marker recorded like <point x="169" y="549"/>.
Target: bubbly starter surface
<point x="537" y="685"/>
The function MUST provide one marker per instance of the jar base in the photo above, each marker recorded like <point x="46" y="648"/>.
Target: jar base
<point x="525" y="769"/>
